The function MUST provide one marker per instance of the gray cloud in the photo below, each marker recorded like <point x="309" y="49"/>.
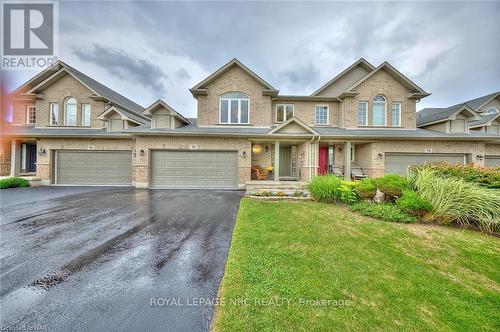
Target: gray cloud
<point x="125" y="66"/>
<point x="448" y="48"/>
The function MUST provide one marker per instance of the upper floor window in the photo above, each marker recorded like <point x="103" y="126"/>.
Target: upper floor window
<point x="70" y="111"/>
<point x="378" y="111"/>
<point x="363" y="113"/>
<point x="321" y="115"/>
<point x="396" y="114"/>
<point x="491" y="110"/>
<point x="31" y="115"/>
<point x="86" y="114"/>
<point x="54" y="114"/>
<point x="234" y="108"/>
<point x="284" y="112"/>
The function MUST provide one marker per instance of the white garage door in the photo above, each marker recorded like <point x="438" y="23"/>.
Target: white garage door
<point x="398" y="163"/>
<point x="93" y="167"/>
<point x="491" y="161"/>
<point x="194" y="169"/>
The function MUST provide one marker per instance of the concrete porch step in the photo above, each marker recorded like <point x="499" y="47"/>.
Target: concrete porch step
<point x="278" y="185"/>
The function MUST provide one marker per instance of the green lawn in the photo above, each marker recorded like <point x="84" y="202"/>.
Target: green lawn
<point x="395" y="276"/>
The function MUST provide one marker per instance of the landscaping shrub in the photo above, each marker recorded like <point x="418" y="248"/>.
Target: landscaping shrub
<point x="456" y="200"/>
<point x="325" y="188"/>
<point x="392" y="185"/>
<point x="366" y="189"/>
<point x="347" y="193"/>
<point x="13" y="182"/>
<point x="488" y="177"/>
<point x="412" y="203"/>
<point x="384" y="211"/>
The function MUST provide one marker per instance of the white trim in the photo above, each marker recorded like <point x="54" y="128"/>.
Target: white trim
<point x="50" y="113"/>
<point x="327" y="115"/>
<point x="285" y="119"/>
<point x="366" y="113"/>
<point x="90" y="114"/>
<point x="28" y="114"/>
<point x="385" y="111"/>
<point x="64" y="110"/>
<point x="229" y="118"/>
<point x="400" y="107"/>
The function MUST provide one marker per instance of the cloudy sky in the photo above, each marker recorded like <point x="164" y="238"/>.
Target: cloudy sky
<point x="151" y="50"/>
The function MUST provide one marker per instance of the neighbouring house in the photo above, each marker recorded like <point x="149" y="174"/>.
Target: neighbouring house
<point x="68" y="129"/>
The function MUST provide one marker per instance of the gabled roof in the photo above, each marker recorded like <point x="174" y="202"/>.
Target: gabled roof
<point x="294" y="122"/>
<point x="396" y="74"/>
<point x="200" y="88"/>
<point x="484" y="121"/>
<point x="429" y="116"/>
<point x="477" y="103"/>
<point x="361" y="62"/>
<point x="160" y="103"/>
<point x="60" y="67"/>
<point x="125" y="114"/>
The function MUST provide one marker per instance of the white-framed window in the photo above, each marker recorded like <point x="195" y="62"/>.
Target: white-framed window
<point x="491" y="110"/>
<point x="31" y="115"/>
<point x="284" y="112"/>
<point x="86" y="110"/>
<point x="54" y="114"/>
<point x="378" y="111"/>
<point x="396" y="114"/>
<point x="234" y="108"/>
<point x="70" y="111"/>
<point x="321" y="114"/>
<point x="363" y="113"/>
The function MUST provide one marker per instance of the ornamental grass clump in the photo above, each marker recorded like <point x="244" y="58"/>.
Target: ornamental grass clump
<point x="325" y="188"/>
<point x="455" y="200"/>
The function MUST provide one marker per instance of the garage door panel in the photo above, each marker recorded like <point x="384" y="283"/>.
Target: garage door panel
<point x="491" y="161"/>
<point x="93" y="167"/>
<point x="398" y="163"/>
<point x="194" y="169"/>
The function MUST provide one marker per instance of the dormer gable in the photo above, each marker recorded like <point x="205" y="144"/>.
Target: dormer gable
<point x="293" y="126"/>
<point x="164" y="116"/>
<point x="346" y="78"/>
<point x="202" y="87"/>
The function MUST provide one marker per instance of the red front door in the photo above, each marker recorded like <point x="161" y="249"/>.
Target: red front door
<point x="323" y="160"/>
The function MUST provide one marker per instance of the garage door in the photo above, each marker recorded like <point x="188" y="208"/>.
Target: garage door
<point x="491" y="161"/>
<point x="93" y="167"/>
<point x="194" y="169"/>
<point x="398" y="163"/>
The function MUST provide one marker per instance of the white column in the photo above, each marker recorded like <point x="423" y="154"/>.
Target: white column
<point x="13" y="150"/>
<point x="276" y="161"/>
<point x="347" y="160"/>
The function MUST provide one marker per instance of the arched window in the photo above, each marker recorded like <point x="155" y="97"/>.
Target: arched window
<point x="70" y="111"/>
<point x="491" y="110"/>
<point x="378" y="111"/>
<point x="234" y="108"/>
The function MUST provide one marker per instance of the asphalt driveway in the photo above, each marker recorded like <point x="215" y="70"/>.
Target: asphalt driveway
<point x="115" y="259"/>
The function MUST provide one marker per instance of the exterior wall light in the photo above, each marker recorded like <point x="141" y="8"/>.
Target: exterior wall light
<point x="479" y="157"/>
<point x="267" y="149"/>
<point x="380" y="156"/>
<point x="256" y="148"/>
<point x="42" y="152"/>
<point x="142" y="153"/>
<point x="244" y="154"/>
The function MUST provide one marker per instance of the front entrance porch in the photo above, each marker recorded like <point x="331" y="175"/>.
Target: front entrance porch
<point x="277" y="161"/>
<point x="23" y="158"/>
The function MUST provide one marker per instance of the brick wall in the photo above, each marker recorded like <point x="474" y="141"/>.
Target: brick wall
<point x="305" y="111"/>
<point x="234" y="80"/>
<point x="65" y="87"/>
<point x="381" y="83"/>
